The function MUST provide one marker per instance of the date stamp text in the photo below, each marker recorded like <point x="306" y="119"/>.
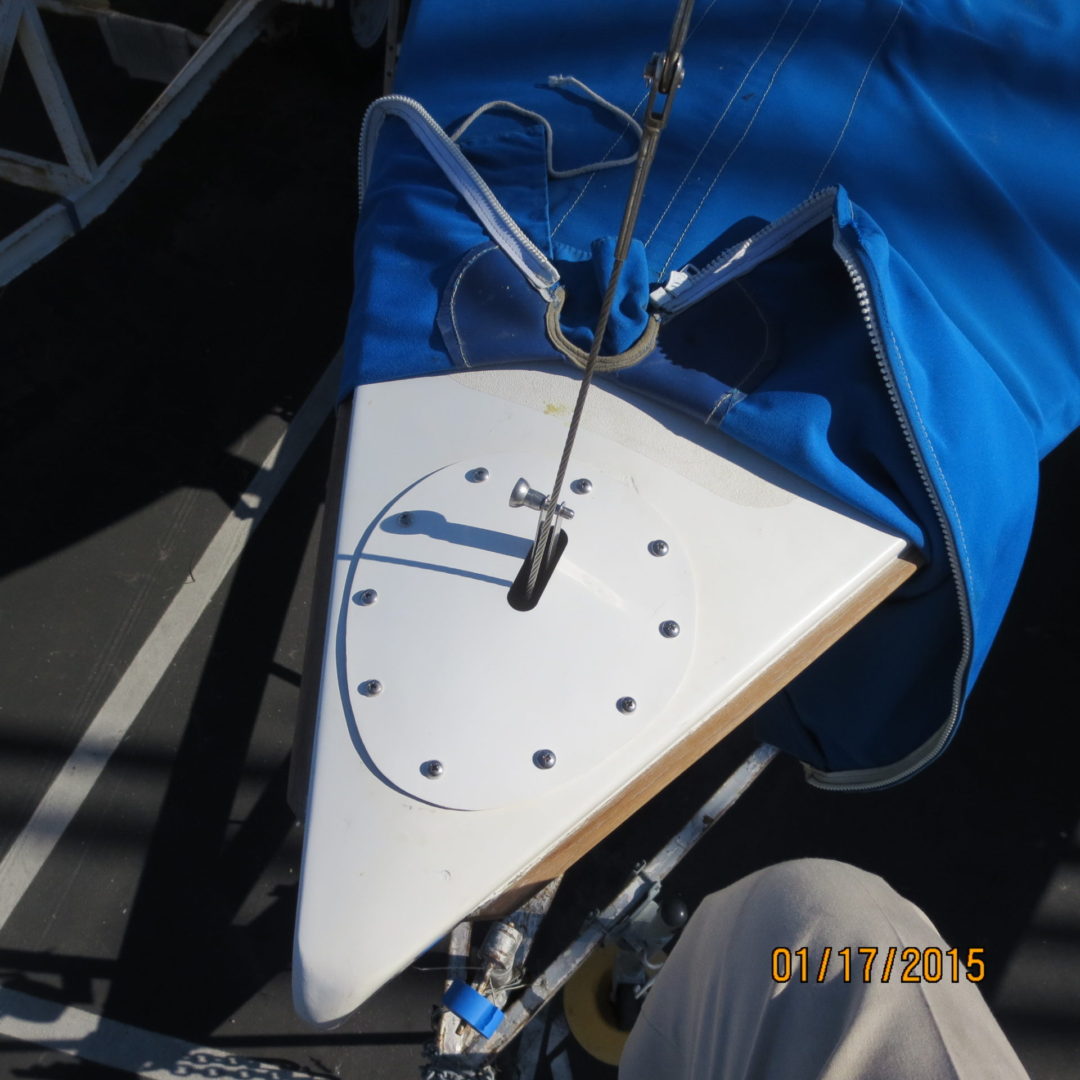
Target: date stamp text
<point x="868" y="963"/>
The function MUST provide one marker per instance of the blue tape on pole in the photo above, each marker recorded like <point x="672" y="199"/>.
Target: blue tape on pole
<point x="472" y="1007"/>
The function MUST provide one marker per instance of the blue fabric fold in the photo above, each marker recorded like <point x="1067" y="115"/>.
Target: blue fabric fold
<point x="585" y="292"/>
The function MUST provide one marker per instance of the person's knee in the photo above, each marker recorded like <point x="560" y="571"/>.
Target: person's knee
<point x="807" y="898"/>
<point x="825" y="881"/>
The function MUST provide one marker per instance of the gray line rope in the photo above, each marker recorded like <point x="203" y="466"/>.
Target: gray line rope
<point x="665" y="75"/>
<point x="560" y="81"/>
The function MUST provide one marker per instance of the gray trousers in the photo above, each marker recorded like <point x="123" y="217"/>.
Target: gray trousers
<point x="731" y="1003"/>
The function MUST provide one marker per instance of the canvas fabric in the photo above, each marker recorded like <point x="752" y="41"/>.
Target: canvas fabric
<point x="931" y="148"/>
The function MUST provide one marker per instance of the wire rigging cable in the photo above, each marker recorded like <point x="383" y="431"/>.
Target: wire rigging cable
<point x="664" y="74"/>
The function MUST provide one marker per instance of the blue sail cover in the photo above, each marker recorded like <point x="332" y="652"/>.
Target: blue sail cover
<point x="876" y="206"/>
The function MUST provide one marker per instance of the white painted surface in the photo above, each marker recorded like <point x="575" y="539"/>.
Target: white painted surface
<point x="470" y="682"/>
<point x="385" y="874"/>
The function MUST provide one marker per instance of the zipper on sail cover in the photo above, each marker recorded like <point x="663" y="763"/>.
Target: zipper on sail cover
<point x="872" y="779"/>
<point x="740" y="259"/>
<point x="499" y="225"/>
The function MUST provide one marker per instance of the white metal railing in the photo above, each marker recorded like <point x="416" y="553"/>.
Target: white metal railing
<point x="186" y="62"/>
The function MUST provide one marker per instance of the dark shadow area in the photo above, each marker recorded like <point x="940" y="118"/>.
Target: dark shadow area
<point x="433" y="524"/>
<point x="199" y="867"/>
<point x="194" y="14"/>
<point x="213" y="292"/>
<point x="442" y="568"/>
<point x="65" y="1068"/>
<point x="24" y="123"/>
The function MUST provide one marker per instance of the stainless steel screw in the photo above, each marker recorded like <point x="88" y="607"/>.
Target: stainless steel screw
<point x="544" y="759"/>
<point x="670" y="628"/>
<point x="405" y="519"/>
<point x="659" y="547"/>
<point x="366" y="597"/>
<point x="581" y="487"/>
<point x="478" y="476"/>
<point x="432" y="769"/>
<point x="371" y="688"/>
<point x="626" y="704"/>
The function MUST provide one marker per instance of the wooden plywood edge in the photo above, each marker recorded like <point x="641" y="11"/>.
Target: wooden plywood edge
<point x="704" y="737"/>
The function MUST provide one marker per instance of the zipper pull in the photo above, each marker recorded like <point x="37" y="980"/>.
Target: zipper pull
<point x="660" y="294"/>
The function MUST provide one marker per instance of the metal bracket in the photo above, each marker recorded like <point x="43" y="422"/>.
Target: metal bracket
<point x="614" y="926"/>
